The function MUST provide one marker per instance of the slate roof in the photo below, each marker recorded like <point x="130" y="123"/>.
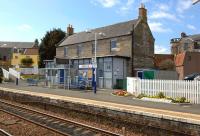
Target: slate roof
<point x="119" y="29"/>
<point x="32" y="51"/>
<point x="16" y="44"/>
<point x="195" y="37"/>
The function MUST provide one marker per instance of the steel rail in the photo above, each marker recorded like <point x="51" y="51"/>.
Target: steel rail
<point x="4" y="133"/>
<point x="77" y="124"/>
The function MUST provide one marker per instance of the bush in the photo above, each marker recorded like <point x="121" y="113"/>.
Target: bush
<point x="160" y="95"/>
<point x="181" y="100"/>
<point x="140" y="96"/>
<point x="27" y="62"/>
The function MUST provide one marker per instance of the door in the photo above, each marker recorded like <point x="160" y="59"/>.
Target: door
<point x="62" y="76"/>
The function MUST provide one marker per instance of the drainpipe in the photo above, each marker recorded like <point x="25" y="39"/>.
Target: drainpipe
<point x="132" y="52"/>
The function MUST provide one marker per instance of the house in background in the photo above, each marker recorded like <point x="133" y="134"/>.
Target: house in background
<point x="20" y="54"/>
<point x="14" y="52"/>
<point x="124" y="49"/>
<point x="185" y="43"/>
<point x="187" y="54"/>
<point x="187" y="63"/>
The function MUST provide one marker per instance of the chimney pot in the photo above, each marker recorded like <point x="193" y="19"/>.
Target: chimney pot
<point x="70" y="30"/>
<point x="143" y="13"/>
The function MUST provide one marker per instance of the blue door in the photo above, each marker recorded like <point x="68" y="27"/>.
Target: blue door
<point x="140" y="74"/>
<point x="62" y="76"/>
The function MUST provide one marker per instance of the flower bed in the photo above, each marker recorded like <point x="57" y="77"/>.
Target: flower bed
<point x="160" y="97"/>
<point x="120" y="93"/>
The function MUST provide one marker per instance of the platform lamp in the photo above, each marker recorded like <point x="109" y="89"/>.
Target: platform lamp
<point x="94" y="63"/>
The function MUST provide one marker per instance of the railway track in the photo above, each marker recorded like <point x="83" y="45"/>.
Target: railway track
<point x="4" y="133"/>
<point x="53" y="123"/>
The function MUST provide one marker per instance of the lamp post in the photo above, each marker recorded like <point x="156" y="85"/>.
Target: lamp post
<point x="94" y="63"/>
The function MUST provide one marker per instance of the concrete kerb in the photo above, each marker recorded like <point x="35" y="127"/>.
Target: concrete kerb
<point x="113" y="106"/>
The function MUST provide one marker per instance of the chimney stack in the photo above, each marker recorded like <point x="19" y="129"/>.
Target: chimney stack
<point x="70" y="30"/>
<point x="183" y="35"/>
<point x="143" y="13"/>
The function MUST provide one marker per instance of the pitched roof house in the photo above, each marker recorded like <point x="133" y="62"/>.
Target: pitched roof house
<point x="122" y="49"/>
<point x="187" y="63"/>
<point x="189" y="43"/>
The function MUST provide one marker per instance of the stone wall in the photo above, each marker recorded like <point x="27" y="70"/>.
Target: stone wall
<point x="103" y="48"/>
<point x="145" y="123"/>
<point x="143" y="46"/>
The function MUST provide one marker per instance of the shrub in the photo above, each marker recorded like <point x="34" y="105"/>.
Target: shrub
<point x="27" y="62"/>
<point x="140" y="96"/>
<point x="160" y="95"/>
<point x="182" y="100"/>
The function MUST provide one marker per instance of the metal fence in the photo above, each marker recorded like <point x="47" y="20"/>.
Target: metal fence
<point x="171" y="88"/>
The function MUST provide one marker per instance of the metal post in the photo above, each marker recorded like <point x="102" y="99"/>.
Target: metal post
<point x="64" y="77"/>
<point x="95" y="62"/>
<point x="17" y="81"/>
<point x="69" y="75"/>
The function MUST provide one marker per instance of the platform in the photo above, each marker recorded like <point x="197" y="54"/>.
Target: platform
<point x="118" y="106"/>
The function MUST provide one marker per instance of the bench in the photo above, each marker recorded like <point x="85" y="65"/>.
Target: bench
<point x="32" y="82"/>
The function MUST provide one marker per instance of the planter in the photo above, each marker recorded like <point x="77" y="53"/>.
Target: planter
<point x="120" y="93"/>
<point x="156" y="100"/>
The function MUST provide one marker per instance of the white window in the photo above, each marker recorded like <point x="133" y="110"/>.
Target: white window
<point x="113" y="44"/>
<point x="65" y="51"/>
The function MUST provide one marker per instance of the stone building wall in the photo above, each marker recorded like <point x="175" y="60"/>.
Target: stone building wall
<point x="143" y="46"/>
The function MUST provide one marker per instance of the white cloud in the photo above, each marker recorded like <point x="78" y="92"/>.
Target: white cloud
<point x="183" y="5"/>
<point x="106" y="3"/>
<point x="127" y="7"/>
<point x="160" y="49"/>
<point x="163" y="7"/>
<point x="158" y="27"/>
<point x="191" y="27"/>
<point x="145" y="1"/>
<point x="163" y="14"/>
<point x="24" y="27"/>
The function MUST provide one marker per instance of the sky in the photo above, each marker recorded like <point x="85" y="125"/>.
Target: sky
<point x="26" y="20"/>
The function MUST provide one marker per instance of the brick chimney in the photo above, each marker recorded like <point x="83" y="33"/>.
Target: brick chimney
<point x="143" y="13"/>
<point x="70" y="30"/>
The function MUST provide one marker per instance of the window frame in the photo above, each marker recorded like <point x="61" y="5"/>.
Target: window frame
<point x="65" y="51"/>
<point x="79" y="50"/>
<point x="111" y="45"/>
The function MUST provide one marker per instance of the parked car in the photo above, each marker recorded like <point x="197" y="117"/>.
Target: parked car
<point x="192" y="76"/>
<point x="197" y="78"/>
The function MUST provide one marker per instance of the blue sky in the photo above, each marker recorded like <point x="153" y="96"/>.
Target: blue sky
<point x="26" y="20"/>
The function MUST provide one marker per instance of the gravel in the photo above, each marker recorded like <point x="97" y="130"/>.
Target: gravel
<point x="30" y="129"/>
<point x="18" y="127"/>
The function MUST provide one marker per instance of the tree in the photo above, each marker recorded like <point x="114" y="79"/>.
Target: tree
<point x="167" y="65"/>
<point x="47" y="48"/>
<point x="27" y="62"/>
<point x="36" y="43"/>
